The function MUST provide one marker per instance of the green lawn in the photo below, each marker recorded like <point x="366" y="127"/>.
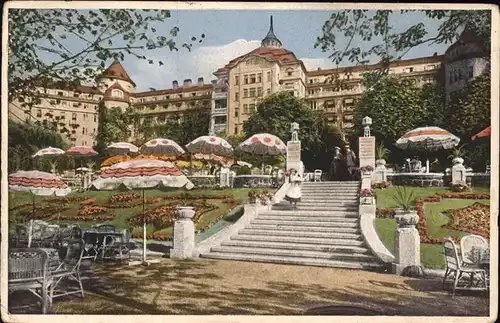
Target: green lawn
<point x="431" y="254"/>
<point x="121" y="215"/>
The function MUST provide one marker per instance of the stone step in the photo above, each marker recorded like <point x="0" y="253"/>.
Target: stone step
<point x="311" y="223"/>
<point x="329" y="203"/>
<point x="293" y="260"/>
<point x="330" y="195"/>
<point x="320" y="207"/>
<point x="298" y="212"/>
<point x="296" y="246"/>
<point x="331" y="229"/>
<point x="300" y="234"/>
<point x="308" y="240"/>
<point x="293" y="253"/>
<point x="312" y="217"/>
<point x="349" y="183"/>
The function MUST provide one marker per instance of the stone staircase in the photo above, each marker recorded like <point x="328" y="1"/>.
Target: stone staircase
<point x="323" y="231"/>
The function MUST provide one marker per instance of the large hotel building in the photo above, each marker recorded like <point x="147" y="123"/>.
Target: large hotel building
<point x="241" y="84"/>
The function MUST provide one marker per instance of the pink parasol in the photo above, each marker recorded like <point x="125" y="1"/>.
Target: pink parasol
<point x="81" y="151"/>
<point x="122" y="148"/>
<point x="263" y="144"/>
<point x="210" y="145"/>
<point x="37" y="183"/>
<point x="161" y="146"/>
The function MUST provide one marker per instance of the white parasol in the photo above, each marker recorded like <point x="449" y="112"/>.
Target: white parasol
<point x="427" y="139"/>
<point x="49" y="152"/>
<point x="122" y="148"/>
<point x="142" y="174"/>
<point x="210" y="145"/>
<point x="37" y="183"/>
<point x="160" y="147"/>
<point x="263" y="144"/>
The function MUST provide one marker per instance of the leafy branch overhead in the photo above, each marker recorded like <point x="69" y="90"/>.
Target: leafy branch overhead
<point x="72" y="46"/>
<point x="355" y="28"/>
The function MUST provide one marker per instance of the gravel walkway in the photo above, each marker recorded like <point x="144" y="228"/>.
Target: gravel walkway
<point x="210" y="287"/>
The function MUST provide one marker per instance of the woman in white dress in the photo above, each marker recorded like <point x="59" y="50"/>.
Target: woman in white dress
<point x="294" y="193"/>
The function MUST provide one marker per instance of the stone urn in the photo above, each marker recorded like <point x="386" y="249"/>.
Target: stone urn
<point x="186" y="212"/>
<point x="380" y="162"/>
<point x="367" y="200"/>
<point x="406" y="218"/>
<point x="457" y="160"/>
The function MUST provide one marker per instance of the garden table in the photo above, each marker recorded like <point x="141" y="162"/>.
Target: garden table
<point x="94" y="242"/>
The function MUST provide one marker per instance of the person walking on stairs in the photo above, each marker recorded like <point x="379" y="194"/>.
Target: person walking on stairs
<point x="350" y="158"/>
<point x="294" y="193"/>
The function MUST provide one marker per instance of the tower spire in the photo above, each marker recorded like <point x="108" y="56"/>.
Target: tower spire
<point x="271" y="40"/>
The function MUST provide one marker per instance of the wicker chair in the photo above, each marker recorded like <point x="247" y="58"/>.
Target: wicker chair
<point x="455" y="265"/>
<point x="115" y="247"/>
<point x="69" y="267"/>
<point x="472" y="248"/>
<point x="28" y="270"/>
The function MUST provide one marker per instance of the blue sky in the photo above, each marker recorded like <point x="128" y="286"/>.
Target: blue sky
<point x="230" y="33"/>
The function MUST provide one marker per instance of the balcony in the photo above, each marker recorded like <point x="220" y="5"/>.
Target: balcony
<point x="220" y="127"/>
<point x="219" y="95"/>
<point x="219" y="111"/>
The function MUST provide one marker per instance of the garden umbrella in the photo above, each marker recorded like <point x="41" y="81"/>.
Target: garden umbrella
<point x="142" y="174"/>
<point x="160" y="146"/>
<point x="50" y="152"/>
<point x="224" y="161"/>
<point x="483" y="133"/>
<point x="122" y="148"/>
<point x="263" y="144"/>
<point x="427" y="139"/>
<point x="210" y="145"/>
<point x="37" y="183"/>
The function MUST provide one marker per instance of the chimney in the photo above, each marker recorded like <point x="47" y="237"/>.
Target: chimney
<point x="200" y="81"/>
<point x="214" y="82"/>
<point x="435" y="54"/>
<point x="187" y="82"/>
<point x="175" y="84"/>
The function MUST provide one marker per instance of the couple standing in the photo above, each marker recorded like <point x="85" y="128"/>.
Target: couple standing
<point x="343" y="167"/>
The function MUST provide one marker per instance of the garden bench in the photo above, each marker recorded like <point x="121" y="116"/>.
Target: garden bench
<point x="28" y="270"/>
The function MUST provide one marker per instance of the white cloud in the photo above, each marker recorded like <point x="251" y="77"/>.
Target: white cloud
<point x="200" y="62"/>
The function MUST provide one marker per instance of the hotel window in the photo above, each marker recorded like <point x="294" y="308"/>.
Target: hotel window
<point x="237" y="96"/>
<point x="194" y="94"/>
<point x="117" y="93"/>
<point x="95" y="117"/>
<point x="268" y="91"/>
<point x="62" y="115"/>
<point x="39" y="113"/>
<point x="289" y="72"/>
<point x="60" y="93"/>
<point x="76" y="94"/>
<point x="73" y="116"/>
<point x="75" y="104"/>
<point x="85" y="116"/>
<point x="245" y="108"/>
<point x="313" y="105"/>
<point x="237" y="80"/>
<point x="259" y="91"/>
<point x="253" y="108"/>
<point x="269" y="76"/>
<point x="245" y="78"/>
<point x="167" y="97"/>
<point x="85" y="106"/>
<point x="83" y="131"/>
<point x="471" y="72"/>
<point x="236" y="112"/>
<point x="245" y="93"/>
<point x="429" y="67"/>
<point x="64" y="103"/>
<point x="252" y="92"/>
<point x="259" y="78"/>
<point x="252" y="78"/>
<point x="236" y="129"/>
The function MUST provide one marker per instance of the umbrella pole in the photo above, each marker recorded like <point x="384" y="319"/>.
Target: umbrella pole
<point x="30" y="230"/>
<point x="144" y="230"/>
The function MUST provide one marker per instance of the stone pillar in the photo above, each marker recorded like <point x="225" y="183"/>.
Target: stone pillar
<point x="458" y="172"/>
<point x="184" y="235"/>
<point x="224" y="177"/>
<point x="406" y="241"/>
<point x="293" y="150"/>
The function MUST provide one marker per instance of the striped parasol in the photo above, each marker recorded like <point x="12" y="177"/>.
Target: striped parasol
<point x="263" y="144"/>
<point x="49" y="152"/>
<point x="427" y="139"/>
<point x="37" y="183"/>
<point x="161" y="146"/>
<point x="81" y="151"/>
<point x="210" y="145"/>
<point x="483" y="133"/>
<point x="142" y="174"/>
<point x="122" y="148"/>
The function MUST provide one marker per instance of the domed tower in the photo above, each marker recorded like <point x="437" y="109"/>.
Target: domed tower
<point x="116" y="86"/>
<point x="271" y="40"/>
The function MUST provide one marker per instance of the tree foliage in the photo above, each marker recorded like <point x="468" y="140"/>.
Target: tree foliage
<point x="26" y="139"/>
<point x="357" y="27"/>
<point x="276" y="113"/>
<point x="397" y="105"/>
<point x="72" y="46"/>
<point x="470" y="110"/>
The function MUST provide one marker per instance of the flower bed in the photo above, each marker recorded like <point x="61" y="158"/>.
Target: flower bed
<point x="381" y="185"/>
<point x="123" y="197"/>
<point x="91" y="210"/>
<point x="469" y="218"/>
<point x="88" y="201"/>
<point x="154" y="236"/>
<point x="466" y="219"/>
